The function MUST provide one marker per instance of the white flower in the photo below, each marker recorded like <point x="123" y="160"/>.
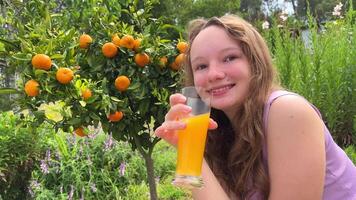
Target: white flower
<point x="283" y="17"/>
<point x="337" y="9"/>
<point x="336" y="13"/>
<point x="265" y="25"/>
<point x="93" y="187"/>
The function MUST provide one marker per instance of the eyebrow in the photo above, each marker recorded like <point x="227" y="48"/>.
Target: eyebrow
<point x="222" y="51"/>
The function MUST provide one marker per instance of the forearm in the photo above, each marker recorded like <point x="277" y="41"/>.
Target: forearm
<point x="211" y="189"/>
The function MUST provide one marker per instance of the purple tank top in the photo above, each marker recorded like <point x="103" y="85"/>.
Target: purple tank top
<point x="340" y="174"/>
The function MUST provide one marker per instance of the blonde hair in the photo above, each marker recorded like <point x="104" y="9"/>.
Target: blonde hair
<point x="235" y="154"/>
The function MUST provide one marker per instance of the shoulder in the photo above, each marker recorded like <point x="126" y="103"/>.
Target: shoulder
<point x="292" y="121"/>
<point x="293" y="108"/>
<point x="291" y="117"/>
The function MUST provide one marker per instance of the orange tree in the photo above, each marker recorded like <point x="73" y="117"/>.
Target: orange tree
<point x="116" y="70"/>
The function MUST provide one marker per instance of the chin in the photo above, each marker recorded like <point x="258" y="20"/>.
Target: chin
<point x="226" y="104"/>
<point x="221" y="106"/>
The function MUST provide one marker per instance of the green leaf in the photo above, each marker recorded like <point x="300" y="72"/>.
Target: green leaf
<point x="74" y="121"/>
<point x="8" y="43"/>
<point x="22" y="56"/>
<point x="57" y="56"/>
<point x="94" y="116"/>
<point x="39" y="72"/>
<point x="143" y="107"/>
<point x="78" y="84"/>
<point x="2" y="46"/>
<point x="134" y="86"/>
<point x="83" y="103"/>
<point x="9" y="91"/>
<point x="62" y="146"/>
<point x="116" y="99"/>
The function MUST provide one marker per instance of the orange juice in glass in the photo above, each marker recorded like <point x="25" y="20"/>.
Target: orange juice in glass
<point x="191" y="141"/>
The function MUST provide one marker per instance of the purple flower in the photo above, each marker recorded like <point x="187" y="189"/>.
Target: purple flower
<point x="30" y="191"/>
<point x="44" y="167"/>
<point x="34" y="185"/>
<point x="48" y="154"/>
<point x="122" y="169"/>
<point x="71" y="139"/>
<point x="92" y="136"/>
<point x="108" y="143"/>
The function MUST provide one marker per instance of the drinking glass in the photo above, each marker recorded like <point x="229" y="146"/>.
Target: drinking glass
<point x="191" y="140"/>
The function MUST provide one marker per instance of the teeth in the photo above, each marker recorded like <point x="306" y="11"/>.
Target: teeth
<point x="220" y="90"/>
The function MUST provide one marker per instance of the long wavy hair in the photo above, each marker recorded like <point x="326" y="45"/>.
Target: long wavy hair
<point x="235" y="153"/>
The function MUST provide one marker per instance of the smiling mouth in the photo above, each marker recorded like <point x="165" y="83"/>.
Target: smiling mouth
<point x="220" y="90"/>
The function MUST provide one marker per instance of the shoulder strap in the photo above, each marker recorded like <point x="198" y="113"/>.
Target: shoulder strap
<point x="274" y="95"/>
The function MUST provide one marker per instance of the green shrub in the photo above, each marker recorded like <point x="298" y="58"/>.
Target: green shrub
<point x="167" y="191"/>
<point x="319" y="63"/>
<point x="98" y="167"/>
<point x="351" y="152"/>
<point x="20" y="148"/>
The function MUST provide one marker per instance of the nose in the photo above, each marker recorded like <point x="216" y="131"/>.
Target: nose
<point x="215" y="73"/>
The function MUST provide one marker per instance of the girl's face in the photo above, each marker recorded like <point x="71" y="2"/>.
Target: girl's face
<point x="220" y="67"/>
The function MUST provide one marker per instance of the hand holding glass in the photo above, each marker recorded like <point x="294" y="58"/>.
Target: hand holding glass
<point x="191" y="140"/>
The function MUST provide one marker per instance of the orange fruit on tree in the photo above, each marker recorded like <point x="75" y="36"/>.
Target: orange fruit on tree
<point x="163" y="61"/>
<point x="109" y="50"/>
<point x="86" y="93"/>
<point x="84" y="41"/>
<point x="182" y="47"/>
<point x="175" y="66"/>
<point x="178" y="62"/>
<point x="137" y="44"/>
<point x="64" y="75"/>
<point x="41" y="61"/>
<point x="122" y="83"/>
<point x="116" y="116"/>
<point x="31" y="88"/>
<point x="116" y="40"/>
<point x="80" y="132"/>
<point x="142" y="59"/>
<point x="127" y="41"/>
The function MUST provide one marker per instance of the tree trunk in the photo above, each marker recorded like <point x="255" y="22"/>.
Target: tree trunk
<point x="294" y="8"/>
<point x="151" y="176"/>
<point x="149" y="167"/>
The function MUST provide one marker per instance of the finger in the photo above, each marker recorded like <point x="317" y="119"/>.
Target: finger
<point x="174" y="125"/>
<point x="212" y="124"/>
<point x="168" y="127"/>
<point x="161" y="132"/>
<point x="168" y="136"/>
<point x="177" y="111"/>
<point x="176" y="99"/>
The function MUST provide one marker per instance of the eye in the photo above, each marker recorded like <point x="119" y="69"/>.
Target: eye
<point x="230" y="58"/>
<point x="200" y="67"/>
